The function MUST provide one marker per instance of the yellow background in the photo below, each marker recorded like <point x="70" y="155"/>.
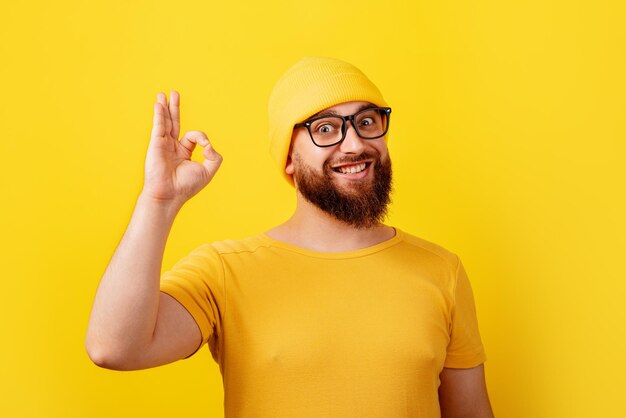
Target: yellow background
<point x="508" y="143"/>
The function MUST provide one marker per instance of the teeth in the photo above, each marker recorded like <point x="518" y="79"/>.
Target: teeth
<point x="351" y="169"/>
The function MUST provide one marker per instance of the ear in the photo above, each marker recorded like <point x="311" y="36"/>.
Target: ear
<point x="289" y="166"/>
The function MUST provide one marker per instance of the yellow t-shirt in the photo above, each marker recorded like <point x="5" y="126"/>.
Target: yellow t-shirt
<point x="300" y="333"/>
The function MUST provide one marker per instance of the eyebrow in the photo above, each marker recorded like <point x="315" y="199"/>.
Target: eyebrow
<point x="328" y="112"/>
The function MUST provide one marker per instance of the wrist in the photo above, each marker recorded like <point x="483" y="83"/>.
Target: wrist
<point x="166" y="207"/>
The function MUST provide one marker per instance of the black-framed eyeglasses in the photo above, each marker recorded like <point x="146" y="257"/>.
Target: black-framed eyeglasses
<point x="326" y="131"/>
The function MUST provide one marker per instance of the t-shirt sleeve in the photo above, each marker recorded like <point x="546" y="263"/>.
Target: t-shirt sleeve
<point x="197" y="282"/>
<point x="465" y="349"/>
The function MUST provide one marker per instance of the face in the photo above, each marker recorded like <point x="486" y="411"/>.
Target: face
<point x="351" y="180"/>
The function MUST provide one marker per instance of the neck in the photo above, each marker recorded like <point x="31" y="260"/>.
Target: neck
<point x="311" y="228"/>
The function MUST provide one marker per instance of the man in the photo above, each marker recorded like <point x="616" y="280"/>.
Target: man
<point x="330" y="314"/>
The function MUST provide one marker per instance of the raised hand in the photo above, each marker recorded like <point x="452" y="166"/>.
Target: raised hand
<point x="170" y="174"/>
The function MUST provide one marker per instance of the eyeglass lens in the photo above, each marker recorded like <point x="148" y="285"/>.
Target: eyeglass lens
<point x="369" y="124"/>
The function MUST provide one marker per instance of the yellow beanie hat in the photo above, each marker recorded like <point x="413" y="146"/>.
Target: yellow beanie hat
<point x="311" y="85"/>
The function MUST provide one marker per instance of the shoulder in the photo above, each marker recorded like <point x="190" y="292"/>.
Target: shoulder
<point x="432" y="260"/>
<point x="429" y="250"/>
<point x="236" y="246"/>
<point x="209" y="258"/>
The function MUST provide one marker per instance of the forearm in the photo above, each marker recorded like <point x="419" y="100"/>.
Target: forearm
<point x="125" y="309"/>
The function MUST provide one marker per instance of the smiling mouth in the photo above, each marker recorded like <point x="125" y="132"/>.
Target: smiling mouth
<point x="351" y="168"/>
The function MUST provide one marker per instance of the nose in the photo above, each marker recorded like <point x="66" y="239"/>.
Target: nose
<point x="352" y="143"/>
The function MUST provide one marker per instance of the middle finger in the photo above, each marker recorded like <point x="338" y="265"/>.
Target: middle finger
<point x="161" y="98"/>
<point x="175" y="113"/>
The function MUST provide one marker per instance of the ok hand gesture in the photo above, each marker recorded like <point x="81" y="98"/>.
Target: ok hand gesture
<point x="170" y="174"/>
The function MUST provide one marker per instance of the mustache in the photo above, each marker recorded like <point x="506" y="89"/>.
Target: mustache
<point x="365" y="155"/>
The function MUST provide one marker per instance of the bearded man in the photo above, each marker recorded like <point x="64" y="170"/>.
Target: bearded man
<point x="330" y="314"/>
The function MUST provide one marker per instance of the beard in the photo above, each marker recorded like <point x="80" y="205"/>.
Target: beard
<point x="361" y="204"/>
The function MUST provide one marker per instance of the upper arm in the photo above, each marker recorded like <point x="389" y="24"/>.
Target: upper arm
<point x="463" y="393"/>
<point x="176" y="335"/>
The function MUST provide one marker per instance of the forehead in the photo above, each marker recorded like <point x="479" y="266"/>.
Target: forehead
<point x="343" y="109"/>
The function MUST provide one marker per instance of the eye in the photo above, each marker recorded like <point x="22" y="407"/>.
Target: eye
<point x="326" y="128"/>
<point x="366" y="121"/>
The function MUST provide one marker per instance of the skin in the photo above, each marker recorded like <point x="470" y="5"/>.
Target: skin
<point x="463" y="392"/>
<point x="135" y="326"/>
<point x="311" y="228"/>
